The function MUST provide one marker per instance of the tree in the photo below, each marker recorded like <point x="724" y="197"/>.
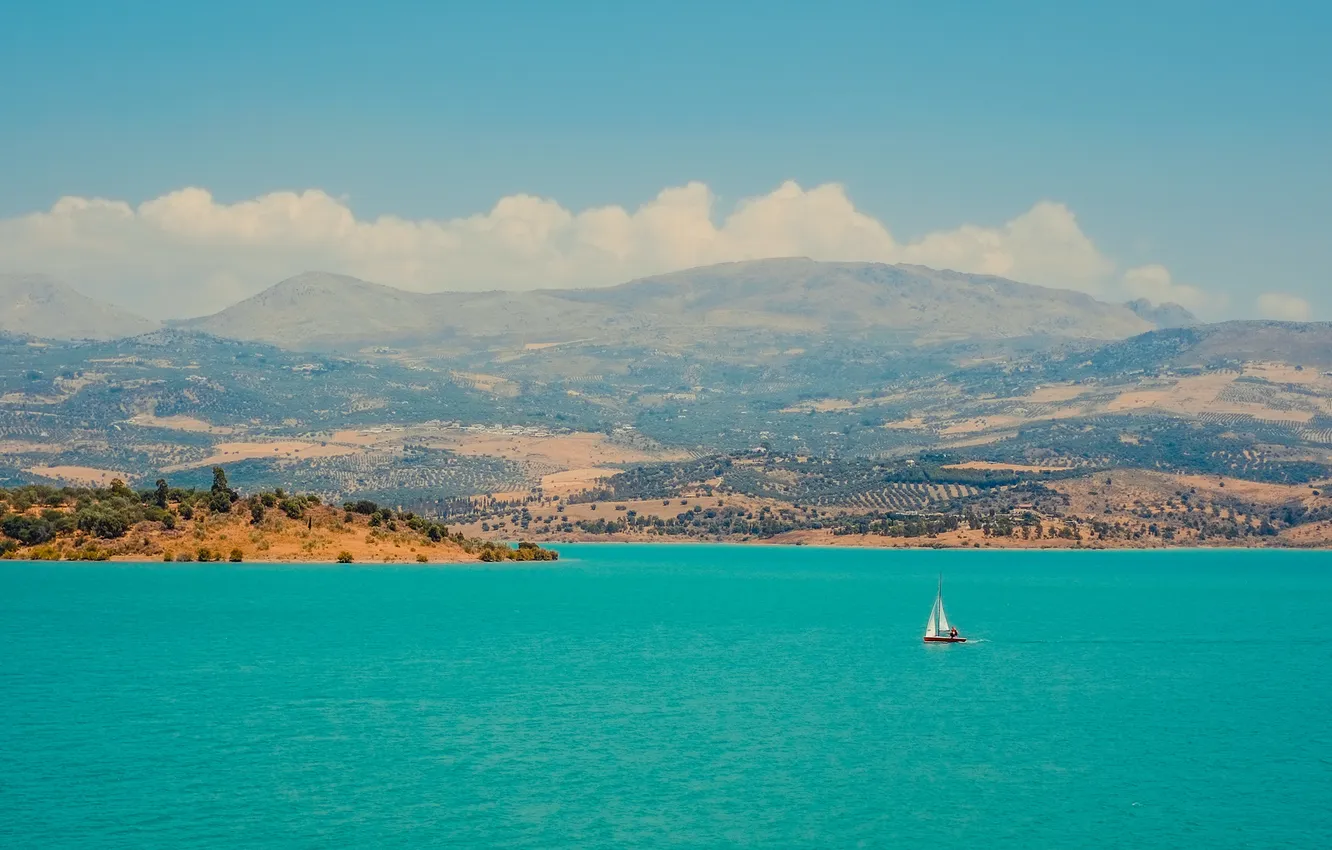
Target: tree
<point x="220" y="480"/>
<point x="30" y="531"/>
<point x="118" y="488"/>
<point x="105" y="521"/>
<point x="219" y="502"/>
<point x="221" y="489"/>
<point x="161" y="493"/>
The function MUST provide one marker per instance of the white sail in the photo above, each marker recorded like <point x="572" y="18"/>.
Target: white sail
<point x="938" y="624"/>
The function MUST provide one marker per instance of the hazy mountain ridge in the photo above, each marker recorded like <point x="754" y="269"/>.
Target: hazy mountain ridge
<point x="40" y="306"/>
<point x="321" y="310"/>
<point x="856" y="297"/>
<point x="783" y="296"/>
<point x="1214" y="345"/>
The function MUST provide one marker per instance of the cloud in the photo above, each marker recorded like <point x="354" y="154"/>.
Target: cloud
<point x="1043" y="245"/>
<point x="1156" y="285"/>
<point x="1284" y="307"/>
<point x="186" y="253"/>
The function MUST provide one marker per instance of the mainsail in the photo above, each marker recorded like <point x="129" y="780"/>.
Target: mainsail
<point x="938" y="622"/>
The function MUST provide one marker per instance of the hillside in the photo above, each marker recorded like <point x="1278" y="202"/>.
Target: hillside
<point x="789" y="297"/>
<point x="316" y="307"/>
<point x="1293" y="343"/>
<point x="1306" y="343"/>
<point x="805" y="295"/>
<point x="171" y="524"/>
<point x="40" y="306"/>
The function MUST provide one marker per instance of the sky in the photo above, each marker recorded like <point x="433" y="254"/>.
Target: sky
<point x="174" y="157"/>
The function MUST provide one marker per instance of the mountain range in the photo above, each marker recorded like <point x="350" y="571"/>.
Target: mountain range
<point x="460" y="394"/>
<point x="793" y="297"/>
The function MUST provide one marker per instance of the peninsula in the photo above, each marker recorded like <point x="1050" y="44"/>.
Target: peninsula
<point x="38" y="522"/>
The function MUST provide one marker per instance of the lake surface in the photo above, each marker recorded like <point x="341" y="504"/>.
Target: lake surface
<point x="671" y="696"/>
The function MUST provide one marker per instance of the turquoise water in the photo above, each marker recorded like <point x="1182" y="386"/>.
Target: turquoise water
<point x="672" y="696"/>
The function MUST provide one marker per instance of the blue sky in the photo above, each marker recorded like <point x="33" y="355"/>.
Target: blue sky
<point x="1193" y="135"/>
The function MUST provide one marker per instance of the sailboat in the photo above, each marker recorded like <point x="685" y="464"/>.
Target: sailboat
<point x="937" y="629"/>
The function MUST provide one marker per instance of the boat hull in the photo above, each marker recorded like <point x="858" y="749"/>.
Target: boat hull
<point x="945" y="640"/>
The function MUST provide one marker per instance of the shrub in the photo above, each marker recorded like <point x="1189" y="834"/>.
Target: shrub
<point x="344" y="557"/>
<point x="30" y="531"/>
<point x="422" y="559"/>
<point x="205" y="555"/>
<point x="166" y="556"/>
<point x="184" y="557"/>
<point x="220" y="502"/>
<point x="105" y="521"/>
<point x="236" y="556"/>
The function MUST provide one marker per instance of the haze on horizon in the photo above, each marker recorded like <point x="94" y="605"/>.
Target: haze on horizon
<point x="180" y="161"/>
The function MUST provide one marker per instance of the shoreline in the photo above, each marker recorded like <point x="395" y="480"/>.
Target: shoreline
<point x="474" y="563"/>
<point x="900" y="543"/>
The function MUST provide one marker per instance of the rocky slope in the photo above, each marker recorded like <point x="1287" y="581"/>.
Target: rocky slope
<point x="40" y="306"/>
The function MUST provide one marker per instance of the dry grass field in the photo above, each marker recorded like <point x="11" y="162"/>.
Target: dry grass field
<point x="83" y="476"/>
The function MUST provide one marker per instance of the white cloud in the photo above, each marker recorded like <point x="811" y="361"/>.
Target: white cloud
<point x="1043" y="245"/>
<point x="1287" y="308"/>
<point x="185" y="253"/>
<point x="1156" y="285"/>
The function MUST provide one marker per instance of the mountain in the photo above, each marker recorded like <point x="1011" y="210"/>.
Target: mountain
<point x="1167" y="315"/>
<point x="317" y="307"/>
<point x="799" y="293"/>
<point x="40" y="306"/>
<point x="1218" y="346"/>
<point x="318" y="310"/>
<point x="1296" y="343"/>
<point x="722" y="303"/>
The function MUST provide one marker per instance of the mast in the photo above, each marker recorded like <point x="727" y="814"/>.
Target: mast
<point x="943" y="618"/>
<point x="930" y="628"/>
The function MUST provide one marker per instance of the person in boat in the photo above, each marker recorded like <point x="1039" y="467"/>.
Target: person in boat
<point x="952" y="633"/>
